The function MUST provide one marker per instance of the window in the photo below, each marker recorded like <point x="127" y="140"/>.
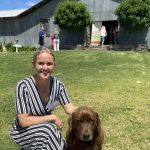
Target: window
<point x="44" y="24"/>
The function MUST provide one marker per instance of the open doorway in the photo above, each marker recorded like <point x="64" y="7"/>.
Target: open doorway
<point x="110" y="26"/>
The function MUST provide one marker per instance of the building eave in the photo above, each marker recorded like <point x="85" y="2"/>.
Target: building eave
<point x="23" y="12"/>
<point x="36" y="6"/>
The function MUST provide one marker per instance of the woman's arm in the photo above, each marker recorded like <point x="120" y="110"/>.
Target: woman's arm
<point x="25" y="120"/>
<point x="69" y="108"/>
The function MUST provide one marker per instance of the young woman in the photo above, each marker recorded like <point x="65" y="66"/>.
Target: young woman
<point x="103" y="34"/>
<point x="36" y="127"/>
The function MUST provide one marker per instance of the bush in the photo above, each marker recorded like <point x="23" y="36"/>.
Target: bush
<point x="72" y="15"/>
<point x="134" y="14"/>
<point x="10" y="48"/>
<point x="27" y="48"/>
<point x="1" y="47"/>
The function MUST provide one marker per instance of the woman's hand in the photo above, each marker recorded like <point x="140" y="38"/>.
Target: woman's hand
<point x="57" y="121"/>
<point x="70" y="108"/>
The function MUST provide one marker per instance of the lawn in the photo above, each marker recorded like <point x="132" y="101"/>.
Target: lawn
<point x="114" y="83"/>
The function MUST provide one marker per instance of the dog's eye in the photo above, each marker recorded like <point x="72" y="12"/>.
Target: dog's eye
<point x="79" y="121"/>
<point x="92" y="121"/>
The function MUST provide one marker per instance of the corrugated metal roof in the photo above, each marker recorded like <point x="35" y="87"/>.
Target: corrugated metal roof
<point x="21" y="12"/>
<point x="11" y="13"/>
<point x="41" y="3"/>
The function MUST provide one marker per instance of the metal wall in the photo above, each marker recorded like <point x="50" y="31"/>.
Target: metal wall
<point x="26" y="28"/>
<point x="102" y="10"/>
<point x="8" y="29"/>
<point x="30" y="24"/>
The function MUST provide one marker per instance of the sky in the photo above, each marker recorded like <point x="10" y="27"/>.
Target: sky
<point x="17" y="4"/>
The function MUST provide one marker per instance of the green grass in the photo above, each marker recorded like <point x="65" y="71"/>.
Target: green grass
<point x="114" y="83"/>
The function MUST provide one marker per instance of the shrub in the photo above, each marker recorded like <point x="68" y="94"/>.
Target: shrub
<point x="10" y="48"/>
<point x="72" y="15"/>
<point x="134" y="14"/>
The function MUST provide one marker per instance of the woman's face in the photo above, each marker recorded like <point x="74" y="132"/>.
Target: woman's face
<point x="44" y="65"/>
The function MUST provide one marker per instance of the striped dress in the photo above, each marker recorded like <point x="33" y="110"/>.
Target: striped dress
<point x="44" y="136"/>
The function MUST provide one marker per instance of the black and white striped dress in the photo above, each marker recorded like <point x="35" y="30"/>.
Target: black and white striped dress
<point x="44" y="136"/>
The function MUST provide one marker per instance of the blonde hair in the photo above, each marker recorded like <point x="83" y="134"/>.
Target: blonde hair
<point x="42" y="50"/>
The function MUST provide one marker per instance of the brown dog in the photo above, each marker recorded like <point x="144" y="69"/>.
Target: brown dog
<point x="84" y="131"/>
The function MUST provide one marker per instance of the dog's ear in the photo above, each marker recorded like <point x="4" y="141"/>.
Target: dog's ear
<point x="98" y="121"/>
<point x="70" y="122"/>
<point x="97" y="127"/>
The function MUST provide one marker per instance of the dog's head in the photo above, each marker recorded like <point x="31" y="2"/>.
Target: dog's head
<point x="84" y="124"/>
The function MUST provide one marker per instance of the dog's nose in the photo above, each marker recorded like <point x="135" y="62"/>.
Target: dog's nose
<point x="86" y="136"/>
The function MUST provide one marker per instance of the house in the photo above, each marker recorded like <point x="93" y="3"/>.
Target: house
<point x="24" y="27"/>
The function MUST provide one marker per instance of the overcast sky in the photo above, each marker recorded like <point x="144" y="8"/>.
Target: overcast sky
<point x="16" y="4"/>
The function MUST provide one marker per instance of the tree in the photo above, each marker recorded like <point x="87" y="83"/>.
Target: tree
<point x="71" y="14"/>
<point x="134" y="14"/>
